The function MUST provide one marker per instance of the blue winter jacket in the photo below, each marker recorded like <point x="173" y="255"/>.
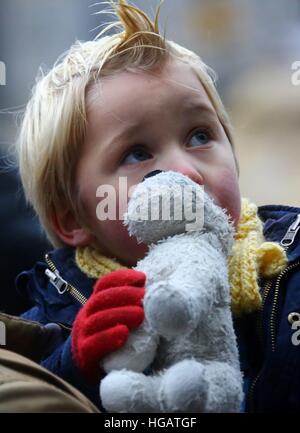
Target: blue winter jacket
<point x="268" y="340"/>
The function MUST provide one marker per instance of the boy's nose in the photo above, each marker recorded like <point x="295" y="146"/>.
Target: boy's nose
<point x="175" y="159"/>
<point x="185" y="169"/>
<point x="191" y="173"/>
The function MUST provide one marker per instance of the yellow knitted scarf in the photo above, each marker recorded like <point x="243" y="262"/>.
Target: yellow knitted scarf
<point x="252" y="257"/>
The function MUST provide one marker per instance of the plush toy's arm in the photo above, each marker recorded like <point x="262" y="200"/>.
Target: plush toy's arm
<point x="175" y="304"/>
<point x="137" y="354"/>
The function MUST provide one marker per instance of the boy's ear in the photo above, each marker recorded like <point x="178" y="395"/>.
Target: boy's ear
<point x="69" y="230"/>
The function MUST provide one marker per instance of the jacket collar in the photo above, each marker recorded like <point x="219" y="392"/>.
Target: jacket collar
<point x="64" y="261"/>
<point x="277" y="219"/>
<point x="35" y="285"/>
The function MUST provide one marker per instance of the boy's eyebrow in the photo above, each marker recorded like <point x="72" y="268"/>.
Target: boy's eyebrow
<point x="198" y="106"/>
<point x="130" y="130"/>
<point x="133" y="128"/>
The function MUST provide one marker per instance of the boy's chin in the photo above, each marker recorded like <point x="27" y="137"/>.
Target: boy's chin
<point x="132" y="255"/>
<point x="128" y="255"/>
<point x="138" y="254"/>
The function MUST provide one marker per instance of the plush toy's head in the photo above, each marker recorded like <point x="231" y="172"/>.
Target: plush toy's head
<point x="170" y="203"/>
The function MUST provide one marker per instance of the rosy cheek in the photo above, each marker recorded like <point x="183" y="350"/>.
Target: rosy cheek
<point x="227" y="194"/>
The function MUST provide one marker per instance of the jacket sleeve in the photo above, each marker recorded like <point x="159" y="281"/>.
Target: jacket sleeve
<point x="59" y="360"/>
<point x="62" y="363"/>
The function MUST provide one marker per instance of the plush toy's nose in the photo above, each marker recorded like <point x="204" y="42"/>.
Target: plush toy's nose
<point x="152" y="173"/>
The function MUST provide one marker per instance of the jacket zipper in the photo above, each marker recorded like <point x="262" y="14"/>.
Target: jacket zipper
<point x="285" y="242"/>
<point x="60" y="284"/>
<point x="265" y="292"/>
<point x="275" y="302"/>
<point x="291" y="233"/>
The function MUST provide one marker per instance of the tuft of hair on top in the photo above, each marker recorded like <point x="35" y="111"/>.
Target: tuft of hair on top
<point x="137" y="41"/>
<point x="133" y="23"/>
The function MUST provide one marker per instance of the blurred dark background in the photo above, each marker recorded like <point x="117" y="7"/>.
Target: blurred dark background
<point x="251" y="44"/>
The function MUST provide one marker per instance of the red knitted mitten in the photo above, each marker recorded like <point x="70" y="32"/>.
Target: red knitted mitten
<point x="103" y="324"/>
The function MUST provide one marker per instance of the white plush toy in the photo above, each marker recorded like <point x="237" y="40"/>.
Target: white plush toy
<point x="187" y="341"/>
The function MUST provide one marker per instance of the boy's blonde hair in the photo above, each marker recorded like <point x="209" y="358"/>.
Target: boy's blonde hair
<point x="54" y="123"/>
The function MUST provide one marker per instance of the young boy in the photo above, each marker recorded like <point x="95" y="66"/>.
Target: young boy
<point x="123" y="106"/>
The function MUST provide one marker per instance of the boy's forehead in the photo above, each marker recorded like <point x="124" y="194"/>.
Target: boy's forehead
<point x="126" y="93"/>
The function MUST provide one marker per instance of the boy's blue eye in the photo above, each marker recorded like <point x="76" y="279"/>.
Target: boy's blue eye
<point x="136" y="156"/>
<point x="200" y="138"/>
